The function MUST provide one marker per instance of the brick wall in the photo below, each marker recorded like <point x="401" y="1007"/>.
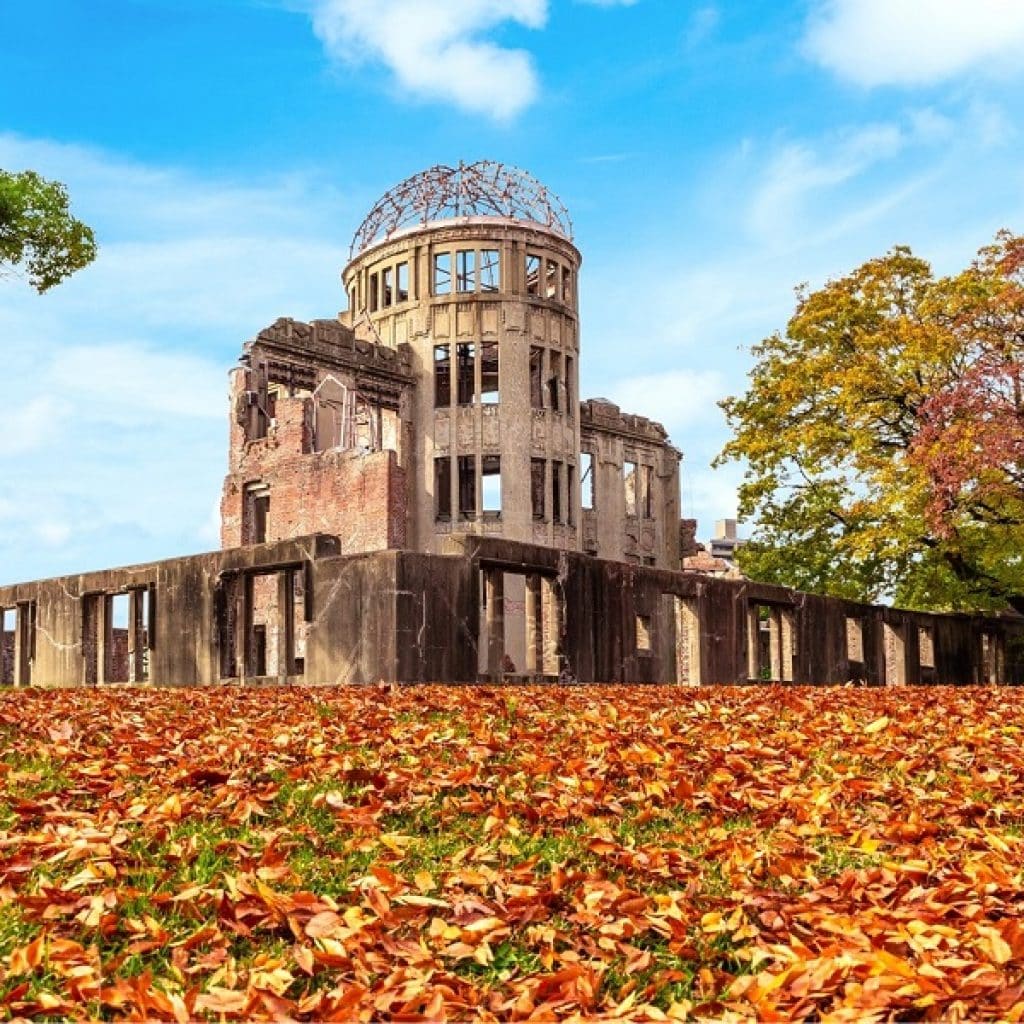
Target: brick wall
<point x="358" y="497"/>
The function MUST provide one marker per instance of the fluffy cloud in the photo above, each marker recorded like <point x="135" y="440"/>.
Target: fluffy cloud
<point x="915" y="42"/>
<point x="438" y="49"/>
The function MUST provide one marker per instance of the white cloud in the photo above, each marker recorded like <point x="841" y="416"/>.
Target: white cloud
<point x="438" y="49"/>
<point x="915" y="42"/>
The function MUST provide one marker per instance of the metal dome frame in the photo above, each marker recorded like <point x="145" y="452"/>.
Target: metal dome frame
<point x="482" y="189"/>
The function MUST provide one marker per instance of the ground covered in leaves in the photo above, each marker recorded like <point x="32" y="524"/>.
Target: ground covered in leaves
<point x="453" y="853"/>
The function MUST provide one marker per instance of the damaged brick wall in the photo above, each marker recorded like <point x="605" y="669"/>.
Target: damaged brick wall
<point x="360" y="498"/>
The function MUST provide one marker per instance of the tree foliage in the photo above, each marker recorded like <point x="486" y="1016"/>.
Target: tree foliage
<point x="38" y="232"/>
<point x="883" y="436"/>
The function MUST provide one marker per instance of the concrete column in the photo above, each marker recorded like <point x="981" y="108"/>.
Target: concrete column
<point x="494" y="582"/>
<point x="534" y="625"/>
<point x="136" y="632"/>
<point x="551" y="618"/>
<point x="245" y="637"/>
<point x="775" y="644"/>
<point x="753" y="643"/>
<point x="104" y="638"/>
<point x="788" y="641"/>
<point x="285" y="624"/>
<point x="21" y="646"/>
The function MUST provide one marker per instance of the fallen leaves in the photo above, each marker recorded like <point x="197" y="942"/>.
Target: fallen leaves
<point x="435" y="853"/>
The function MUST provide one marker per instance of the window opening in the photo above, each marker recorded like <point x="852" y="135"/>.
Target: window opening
<point x="467" y="486"/>
<point x="489" y="373"/>
<point x="490" y="473"/>
<point x="537" y="474"/>
<point x="256" y="514"/>
<point x="466" y="353"/>
<point x="926" y="647"/>
<point x="442" y="273"/>
<point x="570" y="490"/>
<point x="8" y="625"/>
<point x="490" y="270"/>
<point x="556" y="491"/>
<point x="388" y="289"/>
<point x="442" y="376"/>
<point x="647" y="491"/>
<point x="402" y="276"/>
<point x="373" y="293"/>
<point x="352" y="298"/>
<point x="443" y="487"/>
<point x="630" y="475"/>
<point x="568" y="386"/>
<point x="465" y="270"/>
<point x="587" y="480"/>
<point x="554" y="380"/>
<point x="551" y="280"/>
<point x="854" y="641"/>
<point x="566" y="285"/>
<point x="115" y="668"/>
<point x="643" y="632"/>
<point x="536" y="377"/>
<point x="533" y="262"/>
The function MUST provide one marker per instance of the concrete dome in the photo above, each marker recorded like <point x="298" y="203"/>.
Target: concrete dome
<point x="482" y="189"/>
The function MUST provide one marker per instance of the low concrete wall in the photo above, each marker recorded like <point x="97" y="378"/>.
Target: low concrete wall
<point x="408" y="617"/>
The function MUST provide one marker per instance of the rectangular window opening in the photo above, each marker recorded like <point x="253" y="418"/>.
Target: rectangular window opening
<point x="466" y="368"/>
<point x="587" y="480"/>
<point x="255" y="513"/>
<point x="443" y="487"/>
<point x="8" y="625"/>
<point x="536" y="377"/>
<point x="629" y="472"/>
<point x="490" y="270"/>
<point x="489" y="373"/>
<point x="551" y="280"/>
<point x="555" y="381"/>
<point x="537" y="488"/>
<point x="566" y="285"/>
<point x="490" y="473"/>
<point x="388" y="286"/>
<point x="465" y="270"/>
<point x="570" y="495"/>
<point x="402" y="276"/>
<point x="442" y="377"/>
<point x="533" y="262"/>
<point x="643" y="633"/>
<point x="556" y="491"/>
<point x="116" y="654"/>
<point x="926" y="647"/>
<point x="374" y="294"/>
<point x="569" y="387"/>
<point x="467" y="486"/>
<point x="647" y="490"/>
<point x="443" y="273"/>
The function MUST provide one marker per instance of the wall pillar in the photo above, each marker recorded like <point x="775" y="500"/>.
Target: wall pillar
<point x="494" y="625"/>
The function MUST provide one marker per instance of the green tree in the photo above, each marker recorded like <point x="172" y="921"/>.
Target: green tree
<point x="883" y="436"/>
<point x="38" y="232"/>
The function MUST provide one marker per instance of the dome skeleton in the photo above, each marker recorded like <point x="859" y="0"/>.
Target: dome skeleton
<point x="482" y="189"/>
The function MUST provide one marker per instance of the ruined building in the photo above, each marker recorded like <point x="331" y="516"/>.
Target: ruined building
<point x="416" y="491"/>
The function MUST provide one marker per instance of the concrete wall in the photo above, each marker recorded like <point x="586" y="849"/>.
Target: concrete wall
<point x="413" y="617"/>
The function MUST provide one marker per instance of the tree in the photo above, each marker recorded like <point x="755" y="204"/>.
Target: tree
<point x="883" y="436"/>
<point x="38" y="232"/>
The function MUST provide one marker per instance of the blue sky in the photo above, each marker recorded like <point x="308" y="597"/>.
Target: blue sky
<point x="713" y="155"/>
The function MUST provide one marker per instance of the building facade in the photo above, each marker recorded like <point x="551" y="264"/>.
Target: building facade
<point x="416" y="492"/>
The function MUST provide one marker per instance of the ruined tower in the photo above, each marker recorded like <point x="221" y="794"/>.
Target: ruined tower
<point x="445" y="400"/>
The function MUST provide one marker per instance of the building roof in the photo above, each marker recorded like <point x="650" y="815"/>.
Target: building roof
<point x="482" y="189"/>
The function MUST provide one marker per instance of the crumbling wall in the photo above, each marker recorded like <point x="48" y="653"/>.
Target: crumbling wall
<point x="635" y="509"/>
